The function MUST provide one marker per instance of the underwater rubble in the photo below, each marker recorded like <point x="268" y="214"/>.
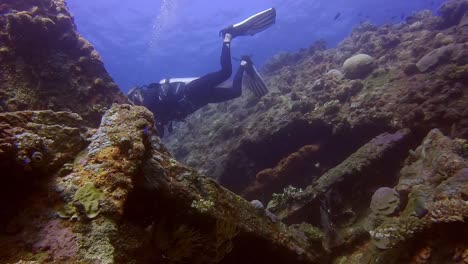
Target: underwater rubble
<point x="359" y="154"/>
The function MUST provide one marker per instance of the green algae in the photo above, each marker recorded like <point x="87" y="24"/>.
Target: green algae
<point x="66" y="212"/>
<point x="88" y="197"/>
<point x="85" y="203"/>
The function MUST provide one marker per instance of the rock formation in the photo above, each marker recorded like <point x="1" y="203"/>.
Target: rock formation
<point x="46" y="64"/>
<point x="125" y="199"/>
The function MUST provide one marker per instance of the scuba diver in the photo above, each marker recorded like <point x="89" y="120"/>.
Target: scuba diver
<point x="173" y="99"/>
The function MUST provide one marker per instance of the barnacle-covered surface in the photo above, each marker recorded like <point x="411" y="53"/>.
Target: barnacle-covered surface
<point x="46" y="64"/>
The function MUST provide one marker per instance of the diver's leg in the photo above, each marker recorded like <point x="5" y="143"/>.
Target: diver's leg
<point x="202" y="87"/>
<point x="224" y="94"/>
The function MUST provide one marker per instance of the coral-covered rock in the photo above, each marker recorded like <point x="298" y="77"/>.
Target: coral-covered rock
<point x="441" y="55"/>
<point x="134" y="203"/>
<point x="389" y="234"/>
<point x="46" y="64"/>
<point x="358" y="66"/>
<point x="453" y="11"/>
<point x="385" y="201"/>
<point x="34" y="144"/>
<point x="353" y="171"/>
<point x="438" y="160"/>
<point x="40" y="139"/>
<point x="453" y="209"/>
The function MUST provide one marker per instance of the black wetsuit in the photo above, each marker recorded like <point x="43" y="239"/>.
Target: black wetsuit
<point x="175" y="101"/>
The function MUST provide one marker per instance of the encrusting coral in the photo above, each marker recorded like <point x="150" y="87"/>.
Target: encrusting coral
<point x="448" y="210"/>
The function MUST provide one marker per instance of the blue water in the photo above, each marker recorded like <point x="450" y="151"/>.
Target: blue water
<point x="143" y="41"/>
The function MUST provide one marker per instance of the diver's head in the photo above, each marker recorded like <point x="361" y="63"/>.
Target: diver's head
<point x="136" y="95"/>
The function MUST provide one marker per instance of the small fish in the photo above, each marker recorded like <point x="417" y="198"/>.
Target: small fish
<point x="402" y="16"/>
<point x="337" y="16"/>
<point x="393" y="17"/>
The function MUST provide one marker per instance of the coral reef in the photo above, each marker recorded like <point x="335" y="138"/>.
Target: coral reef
<point x="414" y="79"/>
<point x="46" y="64"/>
<point x="427" y="171"/>
<point x="99" y="185"/>
<point x="311" y="103"/>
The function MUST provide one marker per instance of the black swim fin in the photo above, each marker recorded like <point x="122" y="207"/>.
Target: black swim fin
<point x="252" y="25"/>
<point x="253" y="80"/>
